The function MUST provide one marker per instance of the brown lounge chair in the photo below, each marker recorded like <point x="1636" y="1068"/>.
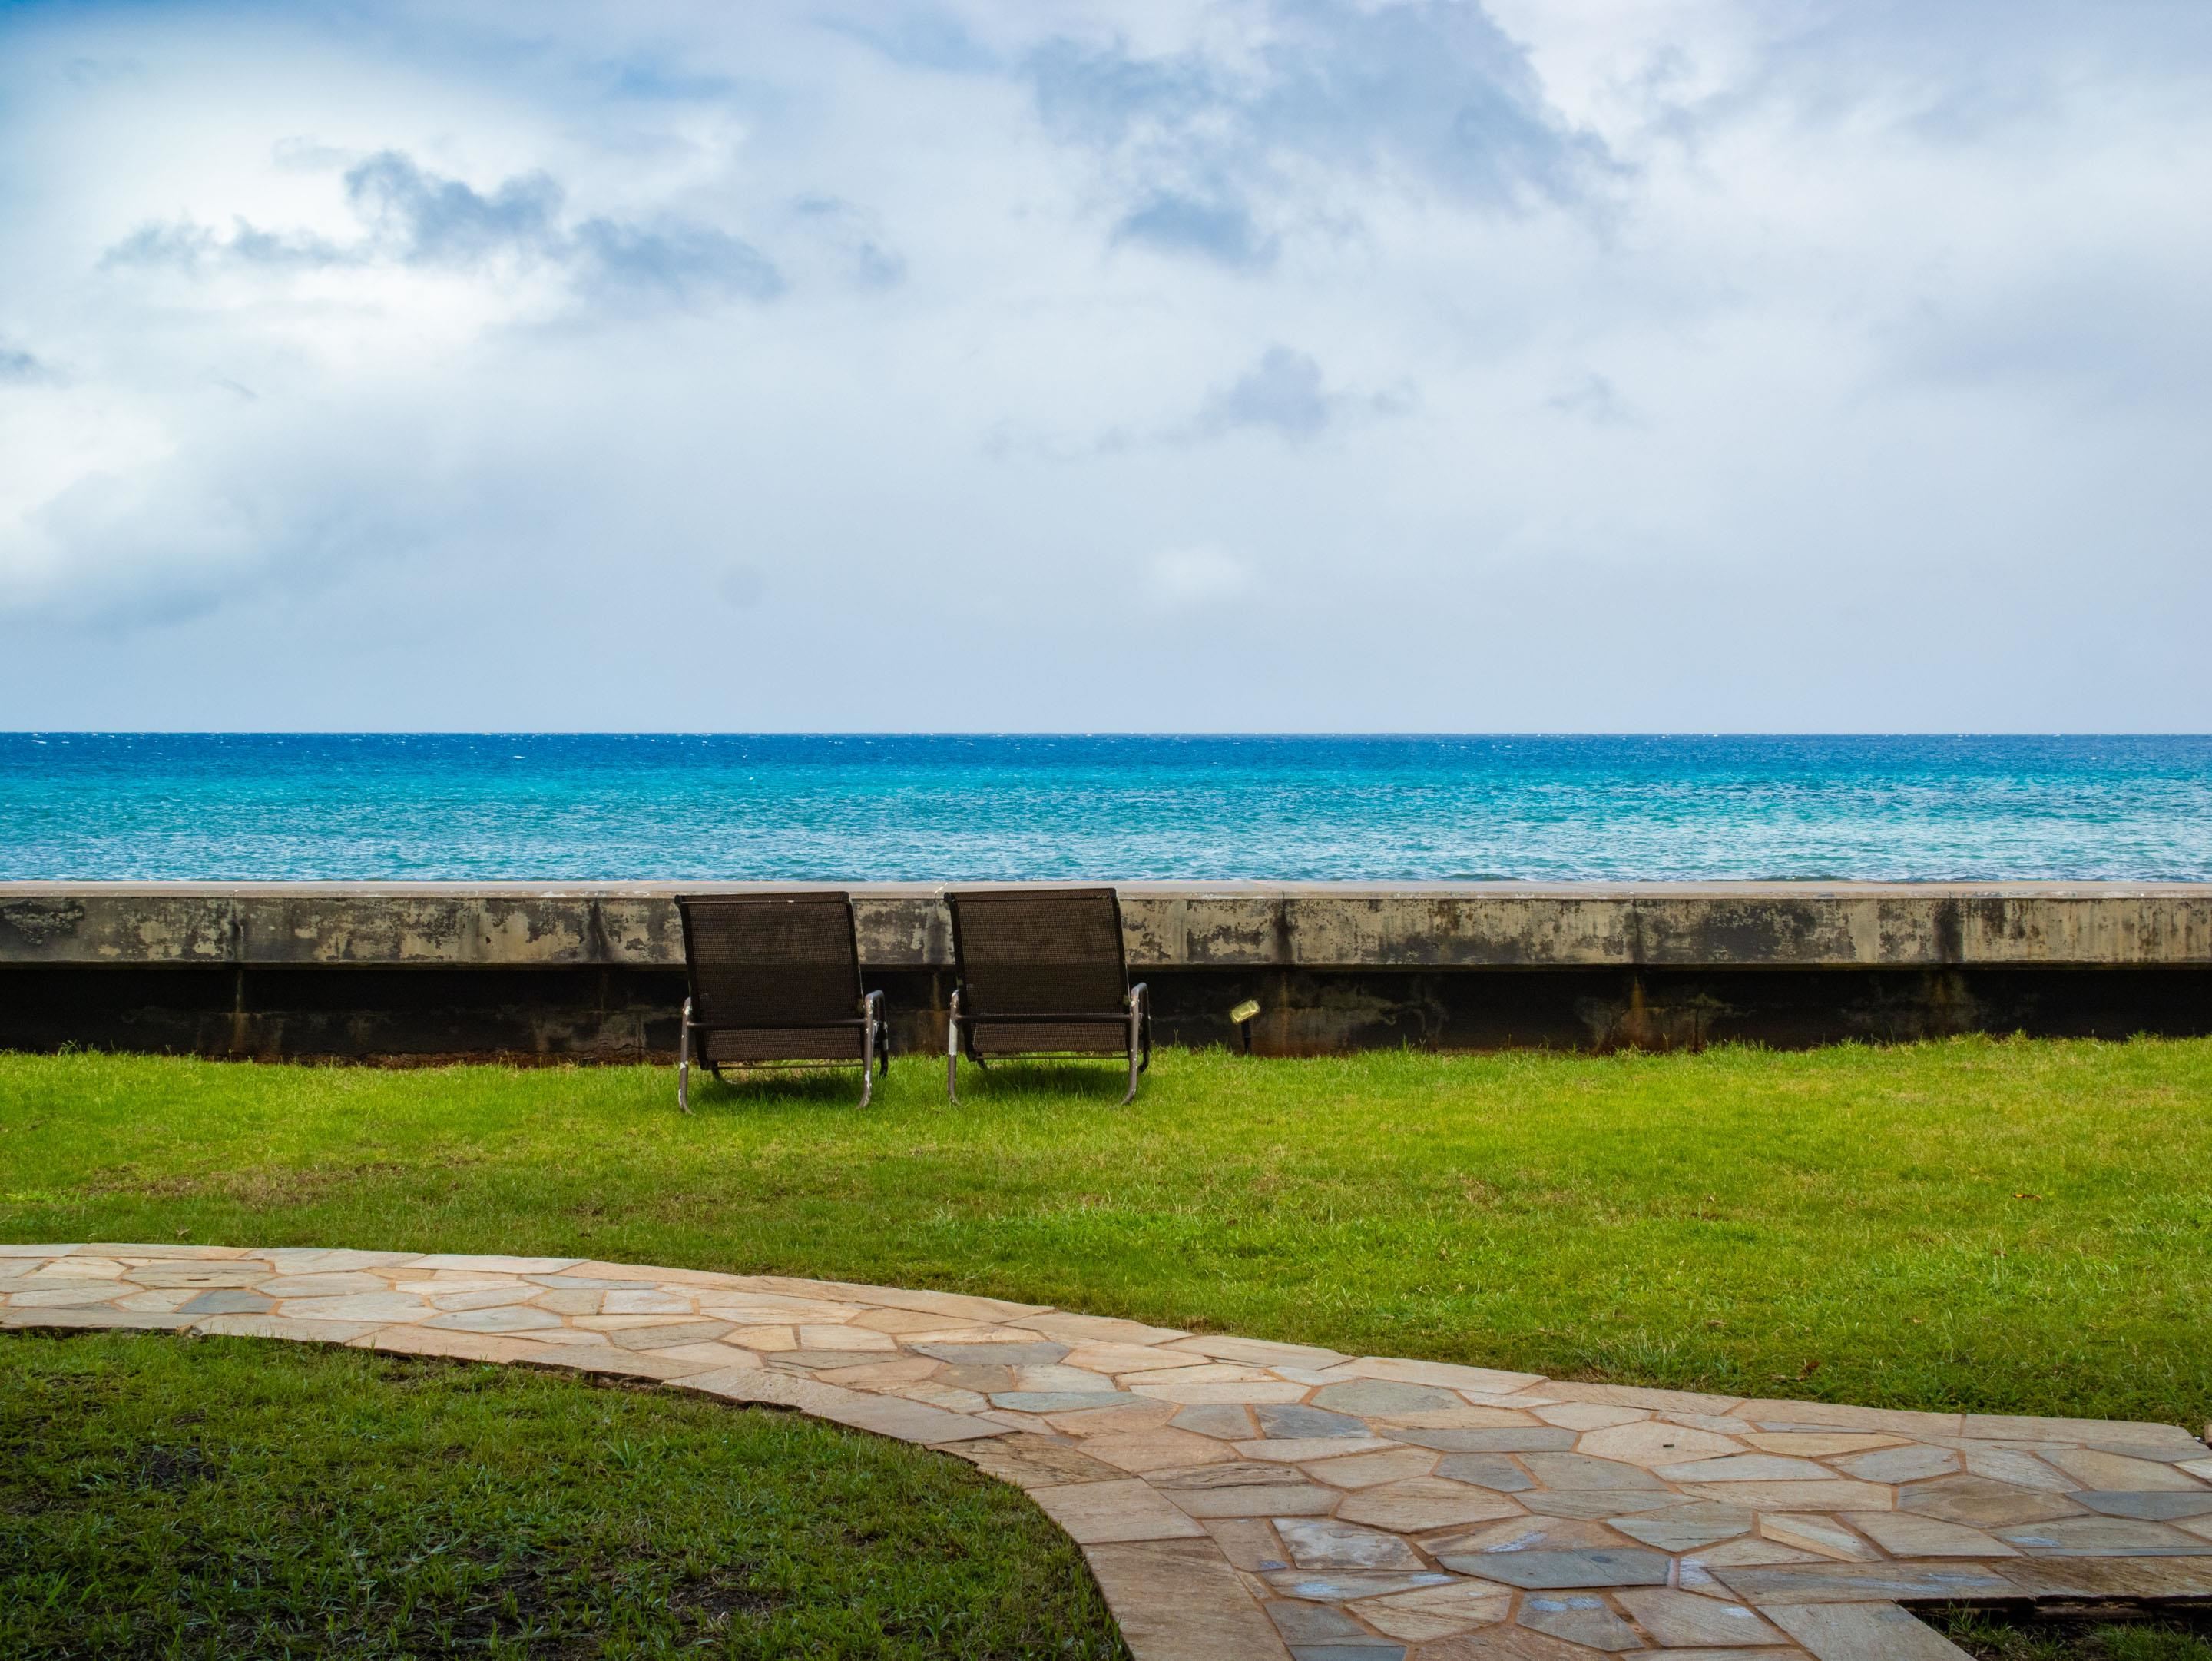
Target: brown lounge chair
<point x="775" y="980"/>
<point x="1041" y="973"/>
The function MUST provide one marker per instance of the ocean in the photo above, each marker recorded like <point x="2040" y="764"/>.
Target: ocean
<point x="824" y="808"/>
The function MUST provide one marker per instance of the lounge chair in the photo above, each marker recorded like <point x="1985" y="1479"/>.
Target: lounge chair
<point x="775" y="979"/>
<point x="1041" y="972"/>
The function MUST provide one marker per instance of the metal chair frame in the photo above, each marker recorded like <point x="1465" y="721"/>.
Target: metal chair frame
<point x="962" y="1022"/>
<point x="869" y="1021"/>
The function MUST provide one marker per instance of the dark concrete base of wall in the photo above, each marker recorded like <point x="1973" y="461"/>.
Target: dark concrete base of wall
<point x="618" y="1014"/>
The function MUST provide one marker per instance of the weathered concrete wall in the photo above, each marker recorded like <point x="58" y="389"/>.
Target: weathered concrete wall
<point x="595" y="970"/>
<point x="1169" y="925"/>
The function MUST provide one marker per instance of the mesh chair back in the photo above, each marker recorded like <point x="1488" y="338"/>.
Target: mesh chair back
<point x="1039" y="952"/>
<point x="762" y="960"/>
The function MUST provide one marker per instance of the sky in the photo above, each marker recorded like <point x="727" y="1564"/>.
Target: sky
<point x="1070" y="365"/>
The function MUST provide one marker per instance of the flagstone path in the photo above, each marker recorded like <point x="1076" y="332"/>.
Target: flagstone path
<point x="1243" y="1501"/>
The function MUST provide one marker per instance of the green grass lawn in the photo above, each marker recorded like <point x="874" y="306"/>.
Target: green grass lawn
<point x="224" y="1498"/>
<point x="2177" y="1637"/>
<point x="2010" y="1226"/>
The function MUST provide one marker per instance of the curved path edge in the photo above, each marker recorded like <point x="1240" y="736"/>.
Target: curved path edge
<point x="1240" y="1500"/>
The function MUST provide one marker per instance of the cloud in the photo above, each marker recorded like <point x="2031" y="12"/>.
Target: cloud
<point x="644" y="75"/>
<point x="183" y="246"/>
<point x="1105" y="95"/>
<point x="1283" y="394"/>
<point x="409" y="216"/>
<point x="179" y="538"/>
<point x="18" y="365"/>
<point x="917" y="37"/>
<point x="851" y="233"/>
<point x="1973" y="71"/>
<point x="1595" y="399"/>
<point x="1221" y="231"/>
<point x="1218" y="146"/>
<point x="680" y="263"/>
<point x="1282" y="390"/>
<point x="1286" y="393"/>
<point x="423" y="219"/>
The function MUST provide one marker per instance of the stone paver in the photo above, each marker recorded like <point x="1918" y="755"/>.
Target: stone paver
<point x="1238" y="1498"/>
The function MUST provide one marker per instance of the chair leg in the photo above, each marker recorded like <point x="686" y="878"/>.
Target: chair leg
<point x="684" y="1060"/>
<point x="873" y="1031"/>
<point x="1140" y="1053"/>
<point x="953" y="1051"/>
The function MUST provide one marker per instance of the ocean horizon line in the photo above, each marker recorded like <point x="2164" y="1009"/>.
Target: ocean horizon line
<point x="1562" y="734"/>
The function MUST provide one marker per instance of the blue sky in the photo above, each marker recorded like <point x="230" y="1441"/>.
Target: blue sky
<point x="1293" y="364"/>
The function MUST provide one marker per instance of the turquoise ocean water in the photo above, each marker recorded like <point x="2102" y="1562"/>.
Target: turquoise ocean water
<point x="826" y="808"/>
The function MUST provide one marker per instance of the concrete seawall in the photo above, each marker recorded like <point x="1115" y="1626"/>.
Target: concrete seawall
<point x="595" y="970"/>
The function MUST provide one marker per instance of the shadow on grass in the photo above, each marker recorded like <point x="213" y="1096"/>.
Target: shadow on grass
<point x="1056" y="1083"/>
<point x="740" y="1091"/>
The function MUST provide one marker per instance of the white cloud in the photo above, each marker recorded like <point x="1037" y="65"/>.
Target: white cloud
<point x="1684" y="363"/>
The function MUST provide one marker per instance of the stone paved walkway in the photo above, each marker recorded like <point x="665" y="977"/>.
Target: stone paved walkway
<point x="1239" y="1499"/>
